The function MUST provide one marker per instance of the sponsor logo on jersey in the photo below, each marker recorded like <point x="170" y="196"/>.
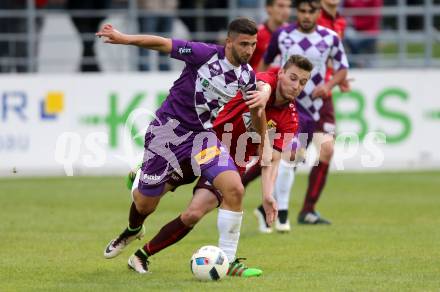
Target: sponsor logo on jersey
<point x="321" y="47"/>
<point x="271" y="124"/>
<point x="211" y="88"/>
<point x="214" y="71"/>
<point x="185" y="51"/>
<point x="205" y="83"/>
<point x="175" y="176"/>
<point x="151" y="177"/>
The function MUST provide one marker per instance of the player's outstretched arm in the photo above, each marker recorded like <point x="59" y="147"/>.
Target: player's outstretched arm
<point x="268" y="175"/>
<point x="152" y="42"/>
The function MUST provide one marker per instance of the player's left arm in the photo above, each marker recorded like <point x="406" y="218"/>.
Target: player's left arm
<point x="259" y="122"/>
<point x="268" y="176"/>
<point x="256" y="101"/>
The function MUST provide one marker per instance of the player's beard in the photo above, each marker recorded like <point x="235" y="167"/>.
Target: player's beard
<point x="242" y="60"/>
<point x="309" y="27"/>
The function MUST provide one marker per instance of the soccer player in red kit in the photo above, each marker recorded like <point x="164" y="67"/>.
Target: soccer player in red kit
<point x="233" y="127"/>
<point x="331" y="18"/>
<point x="323" y="137"/>
<point x="279" y="12"/>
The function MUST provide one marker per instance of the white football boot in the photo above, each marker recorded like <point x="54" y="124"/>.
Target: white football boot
<point x="115" y="246"/>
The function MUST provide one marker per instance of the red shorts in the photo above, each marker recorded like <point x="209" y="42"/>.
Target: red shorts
<point x="327" y="122"/>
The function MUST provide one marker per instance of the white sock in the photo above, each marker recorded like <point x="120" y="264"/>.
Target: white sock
<point x="283" y="184"/>
<point x="229" y="224"/>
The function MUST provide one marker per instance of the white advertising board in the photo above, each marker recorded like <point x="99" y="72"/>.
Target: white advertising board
<point x="76" y="124"/>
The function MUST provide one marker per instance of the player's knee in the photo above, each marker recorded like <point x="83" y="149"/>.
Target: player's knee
<point x="234" y="193"/>
<point x="191" y="216"/>
<point x="145" y="209"/>
<point x="327" y="150"/>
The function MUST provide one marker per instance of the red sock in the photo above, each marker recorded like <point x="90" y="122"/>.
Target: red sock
<point x="251" y="174"/>
<point x="317" y="179"/>
<point x="168" y="235"/>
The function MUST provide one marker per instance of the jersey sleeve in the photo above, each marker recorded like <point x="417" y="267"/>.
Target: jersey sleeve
<point x="338" y="55"/>
<point x="192" y="52"/>
<point x="269" y="78"/>
<point x="273" y="49"/>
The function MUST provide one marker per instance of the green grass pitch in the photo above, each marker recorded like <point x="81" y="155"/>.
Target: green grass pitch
<point x="385" y="236"/>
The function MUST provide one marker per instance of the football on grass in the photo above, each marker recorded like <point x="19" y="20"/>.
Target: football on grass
<point x="209" y="263"/>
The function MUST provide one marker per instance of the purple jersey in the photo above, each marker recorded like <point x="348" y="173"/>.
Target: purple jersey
<point x="207" y="83"/>
<point x="318" y="46"/>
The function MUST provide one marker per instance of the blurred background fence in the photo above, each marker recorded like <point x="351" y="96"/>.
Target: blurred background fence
<point x="58" y="35"/>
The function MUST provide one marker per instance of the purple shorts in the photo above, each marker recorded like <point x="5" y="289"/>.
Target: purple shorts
<point x="176" y="155"/>
<point x="307" y="127"/>
<point x="202" y="183"/>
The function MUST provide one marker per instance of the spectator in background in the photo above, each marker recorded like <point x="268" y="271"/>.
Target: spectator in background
<point x="278" y="12"/>
<point x="189" y="21"/>
<point x="160" y="22"/>
<point x="361" y="34"/>
<point x="215" y="24"/>
<point x="248" y="8"/>
<point x="88" y="25"/>
<point x="331" y="18"/>
<point x="415" y="22"/>
<point x="13" y="52"/>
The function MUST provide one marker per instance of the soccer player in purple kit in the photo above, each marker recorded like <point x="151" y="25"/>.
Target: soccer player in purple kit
<point x="318" y="44"/>
<point x="181" y="136"/>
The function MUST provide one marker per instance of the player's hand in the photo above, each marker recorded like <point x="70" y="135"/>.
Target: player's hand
<point x="322" y="91"/>
<point x="270" y="208"/>
<point x="256" y="98"/>
<point x="112" y="35"/>
<point x="345" y="86"/>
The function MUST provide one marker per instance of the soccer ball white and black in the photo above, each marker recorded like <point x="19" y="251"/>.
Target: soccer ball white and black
<point x="209" y="263"/>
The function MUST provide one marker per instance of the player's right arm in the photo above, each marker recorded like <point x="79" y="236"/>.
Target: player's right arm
<point x="152" y="42"/>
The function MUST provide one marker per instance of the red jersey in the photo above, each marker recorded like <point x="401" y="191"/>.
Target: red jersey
<point x="280" y="119"/>
<point x="264" y="35"/>
<point x="366" y="23"/>
<point x="263" y="38"/>
<point x="337" y="24"/>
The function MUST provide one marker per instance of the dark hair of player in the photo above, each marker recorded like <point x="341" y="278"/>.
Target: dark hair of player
<point x="242" y="25"/>
<point x="270" y="2"/>
<point x="300" y="62"/>
<point x="315" y="4"/>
